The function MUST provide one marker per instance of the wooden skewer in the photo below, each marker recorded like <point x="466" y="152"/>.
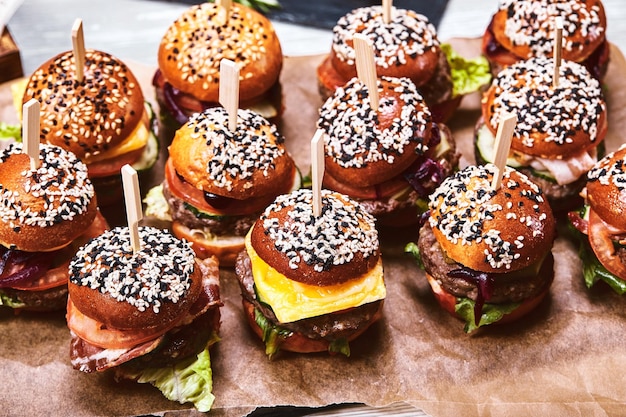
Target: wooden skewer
<point x="317" y="170"/>
<point x="387" y="10"/>
<point x="502" y="146"/>
<point x="78" y="45"/>
<point x="134" y="213"/>
<point x="366" y="67"/>
<point x="226" y="5"/>
<point x="31" y="126"/>
<point x="229" y="91"/>
<point x="558" y="46"/>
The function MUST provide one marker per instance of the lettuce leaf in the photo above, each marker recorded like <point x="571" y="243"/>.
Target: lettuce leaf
<point x="188" y="381"/>
<point x="7" y="301"/>
<point x="594" y="271"/>
<point x="413" y="249"/>
<point x="468" y="75"/>
<point x="271" y="334"/>
<point x="10" y="132"/>
<point x="491" y="313"/>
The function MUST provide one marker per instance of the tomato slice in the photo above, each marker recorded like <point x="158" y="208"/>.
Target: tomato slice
<point x="96" y="333"/>
<point x="190" y="194"/>
<point x="58" y="275"/>
<point x="600" y="239"/>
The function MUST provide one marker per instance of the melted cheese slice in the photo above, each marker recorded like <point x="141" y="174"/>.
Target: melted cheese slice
<point x="291" y="300"/>
<point x="136" y="140"/>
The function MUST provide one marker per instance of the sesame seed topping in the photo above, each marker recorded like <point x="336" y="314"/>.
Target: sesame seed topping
<point x="462" y="205"/>
<point x="408" y="34"/>
<point x="159" y="272"/>
<point x="85" y="108"/>
<point x="342" y="229"/>
<point x="531" y="23"/>
<point x="525" y="88"/>
<point x="353" y="134"/>
<point x="60" y="181"/>
<point x="237" y="155"/>
<point x="609" y="170"/>
<point x="197" y="43"/>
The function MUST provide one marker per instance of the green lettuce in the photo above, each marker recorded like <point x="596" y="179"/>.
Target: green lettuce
<point x="9" y="132"/>
<point x="468" y="75"/>
<point x="271" y="333"/>
<point x="594" y="271"/>
<point x="412" y="249"/>
<point x="188" y="381"/>
<point x="11" y="302"/>
<point x="491" y="313"/>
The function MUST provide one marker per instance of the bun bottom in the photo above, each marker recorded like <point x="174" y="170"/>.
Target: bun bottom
<point x="447" y="301"/>
<point x="224" y="248"/>
<point x="298" y="342"/>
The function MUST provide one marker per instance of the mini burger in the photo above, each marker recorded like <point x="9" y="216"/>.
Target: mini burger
<point x="218" y="182"/>
<point x="102" y="119"/>
<point x="407" y="46"/>
<point x="311" y="284"/>
<point x="391" y="159"/>
<point x="487" y="254"/>
<point x="521" y="29"/>
<point x="560" y="130"/>
<point x="188" y="75"/>
<point x="602" y="222"/>
<point x="47" y="213"/>
<point x="148" y="315"/>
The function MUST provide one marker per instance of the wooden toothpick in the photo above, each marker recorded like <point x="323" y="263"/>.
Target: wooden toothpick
<point x="387" y="11"/>
<point x="78" y="45"/>
<point x="226" y="5"/>
<point x="558" y="46"/>
<point x="132" y="199"/>
<point x="229" y="91"/>
<point x="30" y="127"/>
<point x="366" y="66"/>
<point x="317" y="170"/>
<point x="502" y="146"/>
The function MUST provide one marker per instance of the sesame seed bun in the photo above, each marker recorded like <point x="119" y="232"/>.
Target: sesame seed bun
<point x="191" y="50"/>
<point x="251" y="162"/>
<point x="526" y="27"/>
<point x="406" y="47"/>
<point x="606" y="188"/>
<point x="45" y="209"/>
<point x="91" y="116"/>
<point x="364" y="147"/>
<point x="344" y="235"/>
<point x="553" y="123"/>
<point x="150" y="289"/>
<point x="491" y="231"/>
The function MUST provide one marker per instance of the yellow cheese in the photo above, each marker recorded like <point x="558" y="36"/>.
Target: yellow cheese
<point x="291" y="300"/>
<point x="136" y="140"/>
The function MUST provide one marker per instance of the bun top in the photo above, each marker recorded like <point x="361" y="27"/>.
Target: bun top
<point x="606" y="188"/>
<point x="366" y="147"/>
<point x="491" y="231"/>
<point x="553" y="123"/>
<point x="526" y="27"/>
<point x="151" y="286"/>
<point x="191" y="50"/>
<point x="339" y="245"/>
<point x="90" y="116"/>
<point x="407" y="46"/>
<point x="47" y="208"/>
<point x="251" y="161"/>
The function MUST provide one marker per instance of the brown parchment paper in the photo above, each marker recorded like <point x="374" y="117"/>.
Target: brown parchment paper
<point x="565" y="359"/>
